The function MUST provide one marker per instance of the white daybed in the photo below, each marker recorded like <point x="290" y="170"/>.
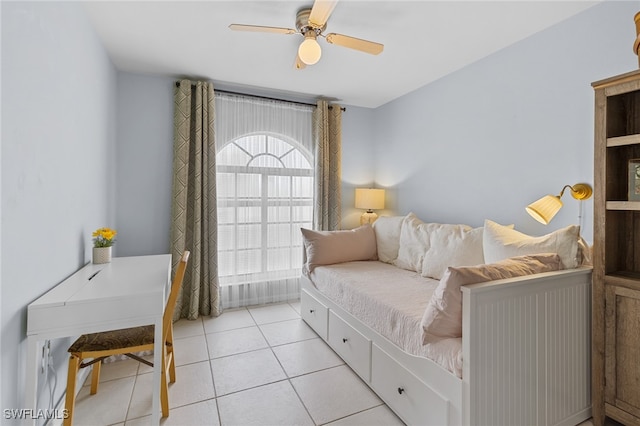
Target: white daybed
<point x="524" y="348"/>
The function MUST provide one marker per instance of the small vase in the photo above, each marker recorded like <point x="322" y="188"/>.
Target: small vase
<point x="101" y="254"/>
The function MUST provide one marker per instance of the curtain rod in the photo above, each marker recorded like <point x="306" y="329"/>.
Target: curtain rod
<point x="262" y="97"/>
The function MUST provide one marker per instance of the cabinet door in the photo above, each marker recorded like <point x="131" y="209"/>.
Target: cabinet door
<point x="622" y="359"/>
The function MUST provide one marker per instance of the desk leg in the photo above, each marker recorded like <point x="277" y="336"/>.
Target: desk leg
<point x="31" y="385"/>
<point x="157" y="369"/>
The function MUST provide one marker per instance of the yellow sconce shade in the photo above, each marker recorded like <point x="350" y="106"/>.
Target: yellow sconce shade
<point x="370" y="200"/>
<point x="546" y="207"/>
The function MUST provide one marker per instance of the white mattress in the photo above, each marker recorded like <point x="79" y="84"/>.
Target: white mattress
<point x="391" y="301"/>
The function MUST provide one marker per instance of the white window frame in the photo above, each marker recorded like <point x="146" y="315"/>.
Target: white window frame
<point x="265" y="172"/>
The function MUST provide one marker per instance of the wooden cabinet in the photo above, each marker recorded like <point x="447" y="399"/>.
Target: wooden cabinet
<point x="616" y="274"/>
<point x="622" y="348"/>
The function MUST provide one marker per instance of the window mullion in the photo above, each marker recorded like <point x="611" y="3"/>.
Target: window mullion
<point x="291" y="231"/>
<point x="265" y="220"/>
<point x="236" y="228"/>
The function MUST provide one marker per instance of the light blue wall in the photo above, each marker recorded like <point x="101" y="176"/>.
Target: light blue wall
<point x="357" y="160"/>
<point x="489" y="139"/>
<point x="58" y="169"/>
<point x="144" y="158"/>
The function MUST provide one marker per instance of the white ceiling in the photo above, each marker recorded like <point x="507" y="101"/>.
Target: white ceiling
<point x="424" y="40"/>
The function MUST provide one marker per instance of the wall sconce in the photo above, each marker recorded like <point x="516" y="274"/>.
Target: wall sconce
<point x="370" y="200"/>
<point x="546" y="207"/>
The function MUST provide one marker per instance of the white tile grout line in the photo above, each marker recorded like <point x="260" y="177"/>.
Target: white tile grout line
<point x="288" y="379"/>
<point x="353" y="414"/>
<point x="213" y="379"/>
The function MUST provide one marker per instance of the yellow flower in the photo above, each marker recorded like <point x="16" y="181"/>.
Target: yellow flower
<point x="103" y="237"/>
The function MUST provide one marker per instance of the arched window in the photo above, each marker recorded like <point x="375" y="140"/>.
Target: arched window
<point x="265" y="195"/>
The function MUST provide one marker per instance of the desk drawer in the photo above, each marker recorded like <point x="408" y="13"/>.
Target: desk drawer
<point x="314" y="313"/>
<point x="414" y="401"/>
<point x="353" y="347"/>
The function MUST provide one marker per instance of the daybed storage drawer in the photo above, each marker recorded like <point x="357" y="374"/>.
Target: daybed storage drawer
<point x="314" y="313"/>
<point x="352" y="346"/>
<point x="407" y="395"/>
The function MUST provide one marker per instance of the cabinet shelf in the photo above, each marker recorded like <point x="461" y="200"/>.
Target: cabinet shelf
<point x="623" y="140"/>
<point x="629" y="279"/>
<point x="623" y="205"/>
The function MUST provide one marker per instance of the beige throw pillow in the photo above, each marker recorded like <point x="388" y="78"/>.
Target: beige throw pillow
<point x="501" y="242"/>
<point x="443" y="315"/>
<point x="329" y="247"/>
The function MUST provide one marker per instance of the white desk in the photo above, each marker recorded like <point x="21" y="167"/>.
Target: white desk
<point x="128" y="292"/>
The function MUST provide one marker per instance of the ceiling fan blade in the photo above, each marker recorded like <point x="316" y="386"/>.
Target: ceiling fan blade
<point x="320" y="12"/>
<point x="299" y="65"/>
<point x="355" y="43"/>
<point x="261" y="29"/>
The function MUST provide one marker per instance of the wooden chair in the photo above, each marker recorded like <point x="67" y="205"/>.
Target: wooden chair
<point x="98" y="346"/>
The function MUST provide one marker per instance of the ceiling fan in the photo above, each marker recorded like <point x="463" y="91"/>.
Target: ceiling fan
<point x="310" y="23"/>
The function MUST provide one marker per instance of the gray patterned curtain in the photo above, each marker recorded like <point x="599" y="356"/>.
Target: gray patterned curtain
<point x="193" y="211"/>
<point x="327" y="133"/>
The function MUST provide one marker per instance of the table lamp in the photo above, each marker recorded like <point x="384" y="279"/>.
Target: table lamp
<point x="370" y="200"/>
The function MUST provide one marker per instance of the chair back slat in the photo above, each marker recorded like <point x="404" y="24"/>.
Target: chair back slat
<point x="167" y="318"/>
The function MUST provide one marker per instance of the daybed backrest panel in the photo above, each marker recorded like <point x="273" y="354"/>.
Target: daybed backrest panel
<point x="526" y="341"/>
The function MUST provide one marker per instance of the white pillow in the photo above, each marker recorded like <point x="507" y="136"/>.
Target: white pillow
<point x="388" y="237"/>
<point x="414" y="242"/>
<point x="452" y="245"/>
<point x="499" y="242"/>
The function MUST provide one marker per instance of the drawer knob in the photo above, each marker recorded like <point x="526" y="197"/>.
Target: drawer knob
<point x="344" y="340"/>
<point x="311" y="311"/>
<point x="400" y="391"/>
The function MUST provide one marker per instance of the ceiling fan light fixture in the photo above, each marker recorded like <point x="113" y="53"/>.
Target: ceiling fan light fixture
<point x="311" y="23"/>
<point x="309" y="50"/>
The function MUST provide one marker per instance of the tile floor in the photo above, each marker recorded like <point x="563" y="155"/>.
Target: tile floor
<point x="256" y="366"/>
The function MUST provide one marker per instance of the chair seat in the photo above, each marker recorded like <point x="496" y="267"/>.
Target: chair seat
<point x="114" y="340"/>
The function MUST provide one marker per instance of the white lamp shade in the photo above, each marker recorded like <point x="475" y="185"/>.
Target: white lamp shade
<point x="369" y="199"/>
<point x="309" y="51"/>
<point x="545" y="208"/>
